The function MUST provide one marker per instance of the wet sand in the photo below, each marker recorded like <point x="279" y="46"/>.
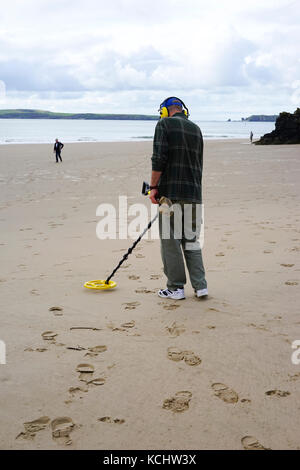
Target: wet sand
<point x="124" y="369"/>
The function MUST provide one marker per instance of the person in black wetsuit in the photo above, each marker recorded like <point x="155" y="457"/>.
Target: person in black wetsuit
<point x="58" y="146"/>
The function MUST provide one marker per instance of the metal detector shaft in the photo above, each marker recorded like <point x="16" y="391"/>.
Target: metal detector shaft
<point x="131" y="249"/>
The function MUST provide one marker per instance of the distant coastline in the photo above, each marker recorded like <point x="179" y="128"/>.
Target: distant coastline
<point x="39" y="114"/>
<point x="261" y="118"/>
<point x="256" y="118"/>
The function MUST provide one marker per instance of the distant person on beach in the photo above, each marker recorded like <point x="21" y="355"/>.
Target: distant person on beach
<point x="58" y="146"/>
<point x="177" y="163"/>
<point x="251" y="136"/>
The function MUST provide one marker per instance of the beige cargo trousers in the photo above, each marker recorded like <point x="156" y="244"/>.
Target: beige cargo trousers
<point x="180" y="227"/>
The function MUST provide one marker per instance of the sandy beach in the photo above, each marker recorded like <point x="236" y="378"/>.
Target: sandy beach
<point x="125" y="369"/>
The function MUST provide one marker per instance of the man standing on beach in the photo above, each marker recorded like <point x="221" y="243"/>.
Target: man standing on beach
<point x="251" y="136"/>
<point x="177" y="163"/>
<point x="58" y="146"/>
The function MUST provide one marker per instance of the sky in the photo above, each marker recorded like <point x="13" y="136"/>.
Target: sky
<point x="225" y="59"/>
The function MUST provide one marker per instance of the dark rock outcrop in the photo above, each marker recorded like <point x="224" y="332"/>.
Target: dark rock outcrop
<point x="287" y="130"/>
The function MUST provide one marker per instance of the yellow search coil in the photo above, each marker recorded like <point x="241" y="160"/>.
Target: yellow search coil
<point x="100" y="284"/>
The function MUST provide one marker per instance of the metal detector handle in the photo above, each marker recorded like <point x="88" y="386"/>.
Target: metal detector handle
<point x="146" y="190"/>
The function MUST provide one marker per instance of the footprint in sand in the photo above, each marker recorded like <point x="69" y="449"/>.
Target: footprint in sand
<point x="80" y="391"/>
<point x="112" y="327"/>
<point x="294" y="376"/>
<point x="225" y="393"/>
<point x="85" y="371"/>
<point x="57" y="310"/>
<point x="49" y="335"/>
<point x="175" y="354"/>
<point x="53" y="225"/>
<point x="131" y="305"/>
<point x="291" y="283"/>
<point x="98" y="381"/>
<point x="93" y="352"/>
<point x="139" y="255"/>
<point x="22" y="266"/>
<point x="155" y="276"/>
<point x="277" y="393"/>
<point x="98" y="349"/>
<point x="123" y="327"/>
<point x="75" y="391"/>
<point x="61" y="430"/>
<point x="32" y="427"/>
<point x="169" y="306"/>
<point x="132" y="277"/>
<point x="33" y="291"/>
<point x="144" y="290"/>
<point x="37" y="349"/>
<point x="251" y="443"/>
<point x="178" y="403"/>
<point x="175" y="329"/>
<point x="258" y="327"/>
<point x="108" y="419"/>
<point x="190" y="358"/>
<point x="220" y="254"/>
<point x="129" y="324"/>
<point x="287" y="265"/>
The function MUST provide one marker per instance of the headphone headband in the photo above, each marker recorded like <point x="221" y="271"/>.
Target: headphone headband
<point x="172" y="101"/>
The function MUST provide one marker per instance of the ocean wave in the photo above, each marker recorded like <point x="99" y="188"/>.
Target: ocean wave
<point x="142" y="137"/>
<point x="217" y="136"/>
<point x="86" y="139"/>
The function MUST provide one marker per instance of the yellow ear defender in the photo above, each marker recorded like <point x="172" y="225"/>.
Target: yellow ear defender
<point x="163" y="112"/>
<point x="172" y="100"/>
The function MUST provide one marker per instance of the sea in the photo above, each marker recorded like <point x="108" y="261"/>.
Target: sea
<point x="37" y="131"/>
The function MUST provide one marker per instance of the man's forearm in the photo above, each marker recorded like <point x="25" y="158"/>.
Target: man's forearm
<point x="155" y="177"/>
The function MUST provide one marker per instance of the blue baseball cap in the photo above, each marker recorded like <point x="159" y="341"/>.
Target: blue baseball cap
<point x="172" y="101"/>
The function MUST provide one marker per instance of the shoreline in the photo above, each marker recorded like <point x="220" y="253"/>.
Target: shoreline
<point x="229" y="139"/>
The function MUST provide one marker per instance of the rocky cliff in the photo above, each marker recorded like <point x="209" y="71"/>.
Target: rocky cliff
<point x="287" y="130"/>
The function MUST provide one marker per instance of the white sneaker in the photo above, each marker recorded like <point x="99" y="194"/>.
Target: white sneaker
<point x="202" y="293"/>
<point x="177" y="294"/>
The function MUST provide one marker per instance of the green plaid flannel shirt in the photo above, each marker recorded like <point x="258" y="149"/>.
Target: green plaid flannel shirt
<point x="178" y="154"/>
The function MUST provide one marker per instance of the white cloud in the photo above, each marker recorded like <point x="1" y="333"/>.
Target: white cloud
<point x="2" y="91"/>
<point x="127" y="55"/>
